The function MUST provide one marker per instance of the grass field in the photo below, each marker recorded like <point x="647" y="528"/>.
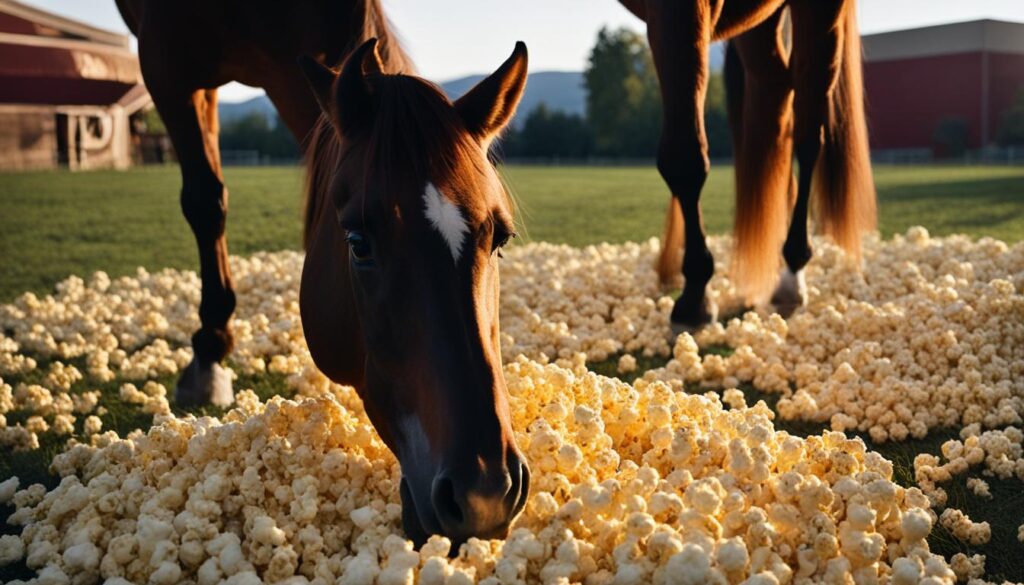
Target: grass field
<point x="56" y="224"/>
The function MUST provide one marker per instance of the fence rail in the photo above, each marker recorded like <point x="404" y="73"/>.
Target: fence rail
<point x="901" y="156"/>
<point x="254" y="158"/>
<point x="982" y="156"/>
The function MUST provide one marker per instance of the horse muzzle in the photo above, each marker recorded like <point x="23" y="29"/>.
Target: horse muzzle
<point x="468" y="501"/>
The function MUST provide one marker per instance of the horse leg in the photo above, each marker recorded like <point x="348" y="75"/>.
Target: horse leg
<point x="815" y="62"/>
<point x="761" y="102"/>
<point x="680" y="36"/>
<point x="191" y="120"/>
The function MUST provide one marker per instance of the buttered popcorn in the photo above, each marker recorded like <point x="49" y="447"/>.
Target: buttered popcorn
<point x="930" y="333"/>
<point x="631" y="484"/>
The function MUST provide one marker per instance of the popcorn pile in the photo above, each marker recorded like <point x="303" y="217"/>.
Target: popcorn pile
<point x="930" y="334"/>
<point x="600" y="300"/>
<point x="632" y="484"/>
<point x="1000" y="453"/>
<point x="46" y="411"/>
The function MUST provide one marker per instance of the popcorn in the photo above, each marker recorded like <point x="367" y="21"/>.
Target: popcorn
<point x="627" y="364"/>
<point x="966" y="567"/>
<point x="960" y="526"/>
<point x="632" y="483"/>
<point x="979" y="487"/>
<point x="8" y="488"/>
<point x="725" y="498"/>
<point x="11" y="549"/>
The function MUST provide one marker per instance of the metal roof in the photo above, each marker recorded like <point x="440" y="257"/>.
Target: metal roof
<point x="57" y="25"/>
<point x="994" y="36"/>
<point x="49" y="59"/>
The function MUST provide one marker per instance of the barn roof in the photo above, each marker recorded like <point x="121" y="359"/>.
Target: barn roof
<point x="995" y="36"/>
<point x="19" y="18"/>
<point x="49" y="59"/>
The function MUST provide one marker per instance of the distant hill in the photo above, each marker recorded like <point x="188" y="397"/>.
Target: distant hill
<point x="229" y="112"/>
<point x="558" y="90"/>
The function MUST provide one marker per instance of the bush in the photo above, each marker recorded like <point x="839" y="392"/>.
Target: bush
<point x="255" y="132"/>
<point x="1011" y="125"/>
<point x="950" y="137"/>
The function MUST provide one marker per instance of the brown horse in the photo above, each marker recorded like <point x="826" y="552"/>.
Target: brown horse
<point x="399" y="296"/>
<point x="399" y="299"/>
<point x="189" y="48"/>
<point x="809" y="95"/>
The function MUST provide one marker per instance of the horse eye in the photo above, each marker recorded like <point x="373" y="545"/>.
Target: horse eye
<point x="360" y="247"/>
<point x="501" y="239"/>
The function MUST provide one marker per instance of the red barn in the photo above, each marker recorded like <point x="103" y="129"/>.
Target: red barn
<point x="70" y="93"/>
<point x="916" y="79"/>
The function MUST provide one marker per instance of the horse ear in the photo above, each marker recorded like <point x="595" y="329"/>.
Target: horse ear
<point x="320" y="80"/>
<point x="354" y="92"/>
<point x="490" y="105"/>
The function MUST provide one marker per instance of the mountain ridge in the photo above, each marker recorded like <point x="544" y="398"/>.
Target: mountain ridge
<point x="558" y="90"/>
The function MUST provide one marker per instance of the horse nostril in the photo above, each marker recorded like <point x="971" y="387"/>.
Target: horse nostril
<point x="519" y="473"/>
<point x="480" y="504"/>
<point x="446" y="503"/>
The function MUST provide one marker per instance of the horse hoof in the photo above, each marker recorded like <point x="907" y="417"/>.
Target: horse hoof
<point x="790" y="294"/>
<point x="692" y="321"/>
<point x="680" y="328"/>
<point x="201" y="384"/>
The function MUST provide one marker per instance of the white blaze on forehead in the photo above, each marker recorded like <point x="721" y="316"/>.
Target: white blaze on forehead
<point x="447" y="219"/>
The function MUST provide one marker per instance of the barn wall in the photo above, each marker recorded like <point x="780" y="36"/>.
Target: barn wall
<point x="28" y="139"/>
<point x="907" y="98"/>
<point x="1006" y="76"/>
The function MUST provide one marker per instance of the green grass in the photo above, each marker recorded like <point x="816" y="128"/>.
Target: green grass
<point x="56" y="224"/>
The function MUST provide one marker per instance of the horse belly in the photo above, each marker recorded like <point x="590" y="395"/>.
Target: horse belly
<point x="739" y="16"/>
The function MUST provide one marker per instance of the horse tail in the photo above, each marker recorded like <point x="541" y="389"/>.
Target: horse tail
<point x="732" y="73"/>
<point x="843" y="183"/>
<point x="670" y="260"/>
<point x="760" y="100"/>
<point x="131" y="13"/>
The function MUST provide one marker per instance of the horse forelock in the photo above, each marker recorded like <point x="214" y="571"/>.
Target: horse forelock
<point x="418" y="139"/>
<point x="414" y="138"/>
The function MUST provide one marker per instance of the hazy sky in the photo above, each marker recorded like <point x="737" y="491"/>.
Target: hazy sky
<point x="452" y="38"/>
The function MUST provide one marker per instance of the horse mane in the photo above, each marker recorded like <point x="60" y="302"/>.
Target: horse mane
<point x="416" y="134"/>
<point x="323" y="148"/>
<point x="376" y="25"/>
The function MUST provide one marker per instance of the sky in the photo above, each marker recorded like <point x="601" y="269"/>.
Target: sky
<point x="452" y="38"/>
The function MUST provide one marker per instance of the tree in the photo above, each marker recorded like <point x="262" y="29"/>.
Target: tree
<point x="549" y="134"/>
<point x="152" y="122"/>
<point x="1011" y="125"/>
<point x="623" y="101"/>
<point x="255" y="132"/>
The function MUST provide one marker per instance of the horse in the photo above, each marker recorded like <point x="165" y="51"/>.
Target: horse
<point x="405" y="220"/>
<point x="189" y="48"/>
<point x="792" y="85"/>
<point x="404" y="215"/>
